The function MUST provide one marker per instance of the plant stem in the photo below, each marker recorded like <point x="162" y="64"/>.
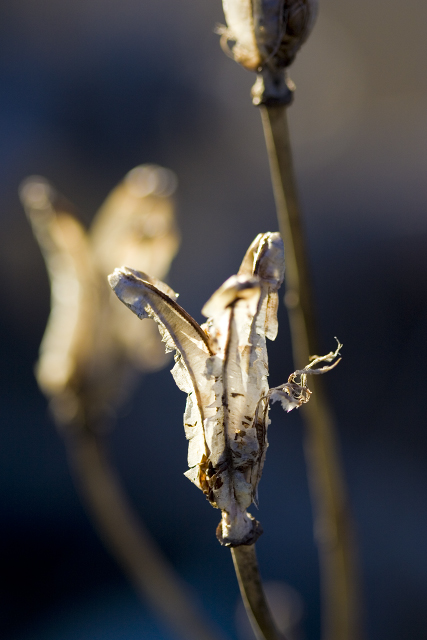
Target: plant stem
<point x="249" y="579"/>
<point x="332" y="521"/>
<point x="129" y="541"/>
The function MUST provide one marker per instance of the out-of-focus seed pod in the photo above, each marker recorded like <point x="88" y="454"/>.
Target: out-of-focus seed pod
<point x="92" y="346"/>
<point x="267" y="35"/>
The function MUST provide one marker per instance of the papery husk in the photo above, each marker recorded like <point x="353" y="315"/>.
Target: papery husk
<point x="223" y="366"/>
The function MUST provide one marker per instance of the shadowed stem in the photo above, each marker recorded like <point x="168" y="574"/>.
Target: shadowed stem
<point x="249" y="579"/>
<point x="332" y="520"/>
<point x="129" y="541"/>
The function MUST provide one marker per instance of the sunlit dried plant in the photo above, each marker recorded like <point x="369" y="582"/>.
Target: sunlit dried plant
<point x="223" y="366"/>
<point x="92" y="346"/>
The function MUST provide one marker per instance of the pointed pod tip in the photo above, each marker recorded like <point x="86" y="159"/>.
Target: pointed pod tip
<point x="151" y="179"/>
<point x="265" y="257"/>
<point x="120" y="280"/>
<point x="36" y="193"/>
<point x="129" y="289"/>
<point x="270" y="259"/>
<point x="123" y="279"/>
<point x="114" y="278"/>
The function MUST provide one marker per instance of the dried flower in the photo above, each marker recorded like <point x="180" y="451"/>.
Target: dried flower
<point x="91" y="345"/>
<point x="223" y="366"/>
<point x="267" y="36"/>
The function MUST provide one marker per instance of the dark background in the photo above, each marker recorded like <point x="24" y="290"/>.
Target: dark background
<point x="90" y="89"/>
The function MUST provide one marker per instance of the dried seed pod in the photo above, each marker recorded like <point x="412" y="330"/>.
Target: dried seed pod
<point x="267" y="35"/>
<point x="223" y="367"/>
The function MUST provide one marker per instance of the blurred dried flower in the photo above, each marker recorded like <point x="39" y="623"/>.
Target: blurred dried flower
<point x="223" y="366"/>
<point x="267" y="36"/>
<point x="91" y="346"/>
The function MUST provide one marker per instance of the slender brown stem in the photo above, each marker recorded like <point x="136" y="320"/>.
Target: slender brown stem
<point x="332" y="520"/>
<point x="249" y="579"/>
<point x="128" y="540"/>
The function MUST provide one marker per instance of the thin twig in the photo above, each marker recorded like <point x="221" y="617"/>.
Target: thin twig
<point x="128" y="540"/>
<point x="333" y="525"/>
<point x="249" y="579"/>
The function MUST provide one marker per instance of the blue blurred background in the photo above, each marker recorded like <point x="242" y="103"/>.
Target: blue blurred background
<point x="90" y="89"/>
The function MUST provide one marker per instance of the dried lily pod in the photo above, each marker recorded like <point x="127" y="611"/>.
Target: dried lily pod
<point x="267" y="36"/>
<point x="88" y="353"/>
<point x="223" y="366"/>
